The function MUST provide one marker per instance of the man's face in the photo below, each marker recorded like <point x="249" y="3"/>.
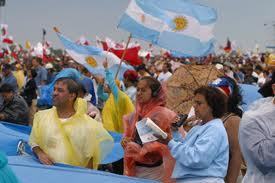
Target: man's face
<point x="34" y="62"/>
<point x="7" y="96"/>
<point x="61" y="95"/>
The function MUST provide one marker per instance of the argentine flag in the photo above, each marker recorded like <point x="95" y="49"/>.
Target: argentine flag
<point x="92" y="57"/>
<point x="180" y="26"/>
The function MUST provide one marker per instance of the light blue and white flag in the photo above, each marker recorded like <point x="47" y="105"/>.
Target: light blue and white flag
<point x="92" y="57"/>
<point x="177" y="25"/>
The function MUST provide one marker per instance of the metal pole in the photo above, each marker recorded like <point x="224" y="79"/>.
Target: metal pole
<point x="123" y="55"/>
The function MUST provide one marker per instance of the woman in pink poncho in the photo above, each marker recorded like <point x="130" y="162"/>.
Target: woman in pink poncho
<point x="151" y="160"/>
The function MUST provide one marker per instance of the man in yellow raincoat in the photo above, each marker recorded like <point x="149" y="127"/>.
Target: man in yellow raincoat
<point x="65" y="134"/>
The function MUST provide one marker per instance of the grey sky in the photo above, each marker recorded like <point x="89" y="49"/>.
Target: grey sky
<point x="240" y="20"/>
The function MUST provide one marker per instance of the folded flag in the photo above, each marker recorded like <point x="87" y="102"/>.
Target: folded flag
<point x="176" y="25"/>
<point x="92" y="57"/>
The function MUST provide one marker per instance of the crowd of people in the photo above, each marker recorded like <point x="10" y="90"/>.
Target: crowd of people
<point x="222" y="143"/>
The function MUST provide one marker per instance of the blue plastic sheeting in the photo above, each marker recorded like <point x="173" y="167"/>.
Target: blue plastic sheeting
<point x="9" y="139"/>
<point x="250" y="94"/>
<point x="11" y="134"/>
<point x="19" y="128"/>
<point x="29" y="171"/>
<point x="117" y="152"/>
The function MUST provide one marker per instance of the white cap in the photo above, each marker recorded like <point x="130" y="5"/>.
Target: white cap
<point x="219" y="66"/>
<point x="49" y="66"/>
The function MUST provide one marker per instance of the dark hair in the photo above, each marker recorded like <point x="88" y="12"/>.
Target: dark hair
<point x="153" y="83"/>
<point x="214" y="98"/>
<point x="72" y="85"/>
<point x="259" y="68"/>
<point x="273" y="76"/>
<point x="38" y="60"/>
<point x="169" y="66"/>
<point x="6" y="67"/>
<point x="142" y="67"/>
<point x="6" y="88"/>
<point x="235" y="99"/>
<point x="84" y="70"/>
<point x="266" y="89"/>
<point x="266" y="72"/>
<point x="33" y="73"/>
<point x="81" y="88"/>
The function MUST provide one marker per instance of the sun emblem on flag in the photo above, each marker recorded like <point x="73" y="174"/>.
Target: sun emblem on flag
<point x="91" y="61"/>
<point x="180" y="23"/>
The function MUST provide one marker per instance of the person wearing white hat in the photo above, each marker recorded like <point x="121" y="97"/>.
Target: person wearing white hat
<point x="51" y="74"/>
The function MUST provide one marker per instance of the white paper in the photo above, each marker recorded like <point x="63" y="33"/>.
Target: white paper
<point x="146" y="129"/>
<point x="155" y="128"/>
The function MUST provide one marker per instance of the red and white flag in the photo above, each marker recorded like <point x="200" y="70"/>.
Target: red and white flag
<point x="5" y="38"/>
<point x="131" y="56"/>
<point x="8" y="40"/>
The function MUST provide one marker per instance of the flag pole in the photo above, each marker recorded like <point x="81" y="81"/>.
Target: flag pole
<point x="43" y="36"/>
<point x="123" y="55"/>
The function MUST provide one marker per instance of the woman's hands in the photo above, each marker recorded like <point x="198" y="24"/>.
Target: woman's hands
<point x="162" y="140"/>
<point x="125" y="141"/>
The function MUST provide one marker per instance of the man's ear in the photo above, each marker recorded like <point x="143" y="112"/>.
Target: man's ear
<point x="73" y="96"/>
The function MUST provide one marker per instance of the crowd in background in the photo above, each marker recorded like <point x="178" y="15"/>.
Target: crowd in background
<point x="107" y="100"/>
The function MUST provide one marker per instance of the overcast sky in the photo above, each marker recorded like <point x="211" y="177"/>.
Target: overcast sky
<point x="240" y="20"/>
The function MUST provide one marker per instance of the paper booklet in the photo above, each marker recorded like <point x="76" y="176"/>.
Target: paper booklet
<point x="146" y="128"/>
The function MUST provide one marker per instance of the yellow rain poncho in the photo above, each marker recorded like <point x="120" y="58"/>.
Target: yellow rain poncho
<point x="116" y="106"/>
<point x="20" y="78"/>
<point x="73" y="142"/>
<point x="114" y="111"/>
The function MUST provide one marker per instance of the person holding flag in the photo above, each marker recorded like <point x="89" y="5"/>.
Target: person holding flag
<point x="117" y="102"/>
